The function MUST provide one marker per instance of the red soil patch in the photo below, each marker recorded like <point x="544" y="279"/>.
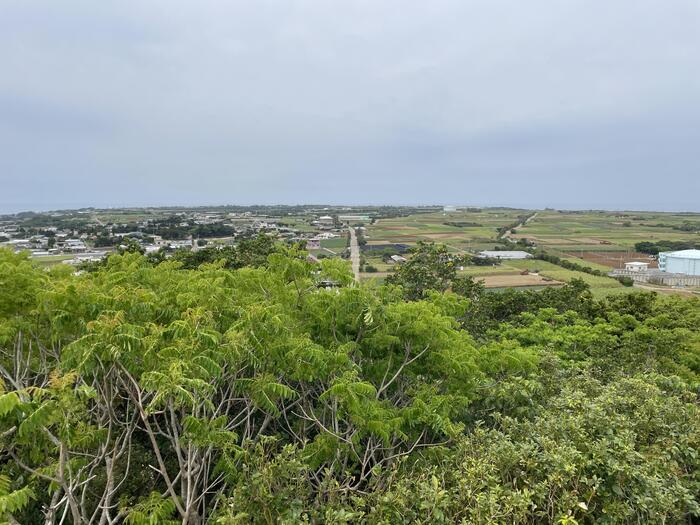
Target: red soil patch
<point x="613" y="259"/>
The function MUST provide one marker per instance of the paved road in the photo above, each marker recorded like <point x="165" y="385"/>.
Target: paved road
<point x="354" y="254"/>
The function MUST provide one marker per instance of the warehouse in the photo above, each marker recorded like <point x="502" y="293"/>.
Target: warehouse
<point x="684" y="261"/>
<point x="505" y="254"/>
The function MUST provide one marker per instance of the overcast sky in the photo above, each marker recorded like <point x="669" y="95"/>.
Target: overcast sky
<point x="562" y="103"/>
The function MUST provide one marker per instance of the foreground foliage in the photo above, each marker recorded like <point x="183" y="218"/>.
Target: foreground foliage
<point x="164" y="392"/>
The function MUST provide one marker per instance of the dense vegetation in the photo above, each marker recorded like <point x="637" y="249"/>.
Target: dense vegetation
<point x="654" y="248"/>
<point x="237" y="391"/>
<point x="686" y="226"/>
<point x="173" y="228"/>
<point x="463" y="224"/>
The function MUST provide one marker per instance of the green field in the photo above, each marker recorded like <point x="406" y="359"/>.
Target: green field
<point x="570" y="236"/>
<point x="51" y="260"/>
<point x="478" y="233"/>
<point x="599" y="285"/>
<point x="338" y="243"/>
<point x="563" y="231"/>
<point x="597" y="239"/>
<point x="605" y="231"/>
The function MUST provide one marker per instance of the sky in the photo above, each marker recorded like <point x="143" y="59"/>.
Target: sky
<point x="572" y="104"/>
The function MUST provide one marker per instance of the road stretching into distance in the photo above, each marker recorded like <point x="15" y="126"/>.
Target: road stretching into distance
<point x="354" y="254"/>
<point x="507" y="234"/>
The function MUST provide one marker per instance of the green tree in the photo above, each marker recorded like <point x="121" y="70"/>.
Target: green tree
<point x="150" y="392"/>
<point x="430" y="267"/>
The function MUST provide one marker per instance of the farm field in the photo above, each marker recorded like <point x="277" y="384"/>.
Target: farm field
<point x="509" y="274"/>
<point x="605" y="238"/>
<point x="595" y="236"/>
<point x="51" y="260"/>
<point x="599" y="240"/>
<point x="335" y="244"/>
<point x="461" y="231"/>
<point x="596" y="239"/>
<point x="515" y="280"/>
<point x="605" y="260"/>
<point x="599" y="285"/>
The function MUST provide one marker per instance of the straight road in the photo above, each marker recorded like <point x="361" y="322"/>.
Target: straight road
<point x="354" y="254"/>
<point x="507" y="234"/>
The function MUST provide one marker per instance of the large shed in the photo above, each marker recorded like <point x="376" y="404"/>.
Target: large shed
<point x="505" y="254"/>
<point x="683" y="261"/>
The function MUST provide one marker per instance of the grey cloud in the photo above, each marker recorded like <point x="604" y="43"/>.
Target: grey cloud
<point x="484" y="102"/>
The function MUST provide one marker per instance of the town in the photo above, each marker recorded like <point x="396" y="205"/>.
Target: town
<point x="501" y="247"/>
<point x="78" y="236"/>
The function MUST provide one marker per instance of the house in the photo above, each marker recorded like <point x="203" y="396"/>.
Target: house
<point x="176" y="245"/>
<point x="313" y="244"/>
<point x="636" y="266"/>
<point x="19" y="244"/>
<point x="328" y="284"/>
<point x="398" y="259"/>
<point x="74" y="245"/>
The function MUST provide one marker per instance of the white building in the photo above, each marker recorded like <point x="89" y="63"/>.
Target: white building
<point x="683" y="261"/>
<point x="176" y="245"/>
<point x="74" y="245"/>
<point x="505" y="254"/>
<point x="87" y="257"/>
<point x="636" y="266"/>
<point x="449" y="209"/>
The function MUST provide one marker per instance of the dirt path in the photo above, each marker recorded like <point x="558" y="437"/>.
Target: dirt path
<point x="354" y="254"/>
<point x="507" y="234"/>
<point x="458" y="250"/>
<point x="666" y="289"/>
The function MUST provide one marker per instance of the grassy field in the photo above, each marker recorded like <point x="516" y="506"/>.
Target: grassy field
<point x="596" y="239"/>
<point x="51" y="260"/>
<point x="563" y="233"/>
<point x="512" y="269"/>
<point x="336" y="244"/>
<point x="508" y="274"/>
<point x="604" y="239"/>
<point x="461" y="231"/>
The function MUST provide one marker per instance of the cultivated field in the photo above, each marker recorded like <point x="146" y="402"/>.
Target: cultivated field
<point x="605" y="239"/>
<point x="461" y="231"/>
<point x="598" y="240"/>
<point x="516" y="280"/>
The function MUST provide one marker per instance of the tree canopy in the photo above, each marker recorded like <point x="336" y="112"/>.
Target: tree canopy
<point x="208" y="389"/>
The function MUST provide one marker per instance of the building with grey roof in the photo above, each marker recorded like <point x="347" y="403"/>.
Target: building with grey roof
<point x="505" y="254"/>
